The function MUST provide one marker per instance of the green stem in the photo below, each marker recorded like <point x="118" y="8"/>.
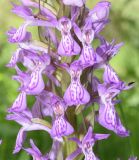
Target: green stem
<point x="84" y="125"/>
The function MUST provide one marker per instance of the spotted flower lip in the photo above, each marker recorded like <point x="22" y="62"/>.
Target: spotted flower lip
<point x="76" y="94"/>
<point x="86" y="144"/>
<point x="68" y="46"/>
<point x="78" y="3"/>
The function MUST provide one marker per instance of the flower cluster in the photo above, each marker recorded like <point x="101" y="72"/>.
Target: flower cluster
<point x="65" y="48"/>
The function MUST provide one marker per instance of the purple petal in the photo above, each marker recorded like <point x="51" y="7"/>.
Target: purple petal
<point x="36" y="110"/>
<point x="34" y="147"/>
<point x="110" y="75"/>
<point x="19" y="140"/>
<point x="15" y="58"/>
<point x="19" y="118"/>
<point x="22" y="11"/>
<point x="88" y="136"/>
<point x="101" y="136"/>
<point x="20" y="103"/>
<point x="76" y="94"/>
<point x="19" y="35"/>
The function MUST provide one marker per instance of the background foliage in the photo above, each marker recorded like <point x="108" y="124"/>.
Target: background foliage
<point x="124" y="27"/>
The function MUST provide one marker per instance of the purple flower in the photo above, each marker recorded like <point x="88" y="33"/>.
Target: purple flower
<point x="108" y="50"/>
<point x="35" y="152"/>
<point x="78" y="3"/>
<point x="55" y="106"/>
<point x="68" y="46"/>
<point x="33" y="83"/>
<point x="85" y="146"/>
<point x="76" y="94"/>
<point x="25" y="119"/>
<point x="61" y="127"/>
<point x="86" y="36"/>
<point x="107" y="91"/>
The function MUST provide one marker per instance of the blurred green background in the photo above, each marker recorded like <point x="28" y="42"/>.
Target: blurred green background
<point x="124" y="27"/>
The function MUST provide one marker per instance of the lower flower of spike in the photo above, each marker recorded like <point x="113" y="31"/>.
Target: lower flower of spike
<point x="86" y="144"/>
<point x="61" y="127"/>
